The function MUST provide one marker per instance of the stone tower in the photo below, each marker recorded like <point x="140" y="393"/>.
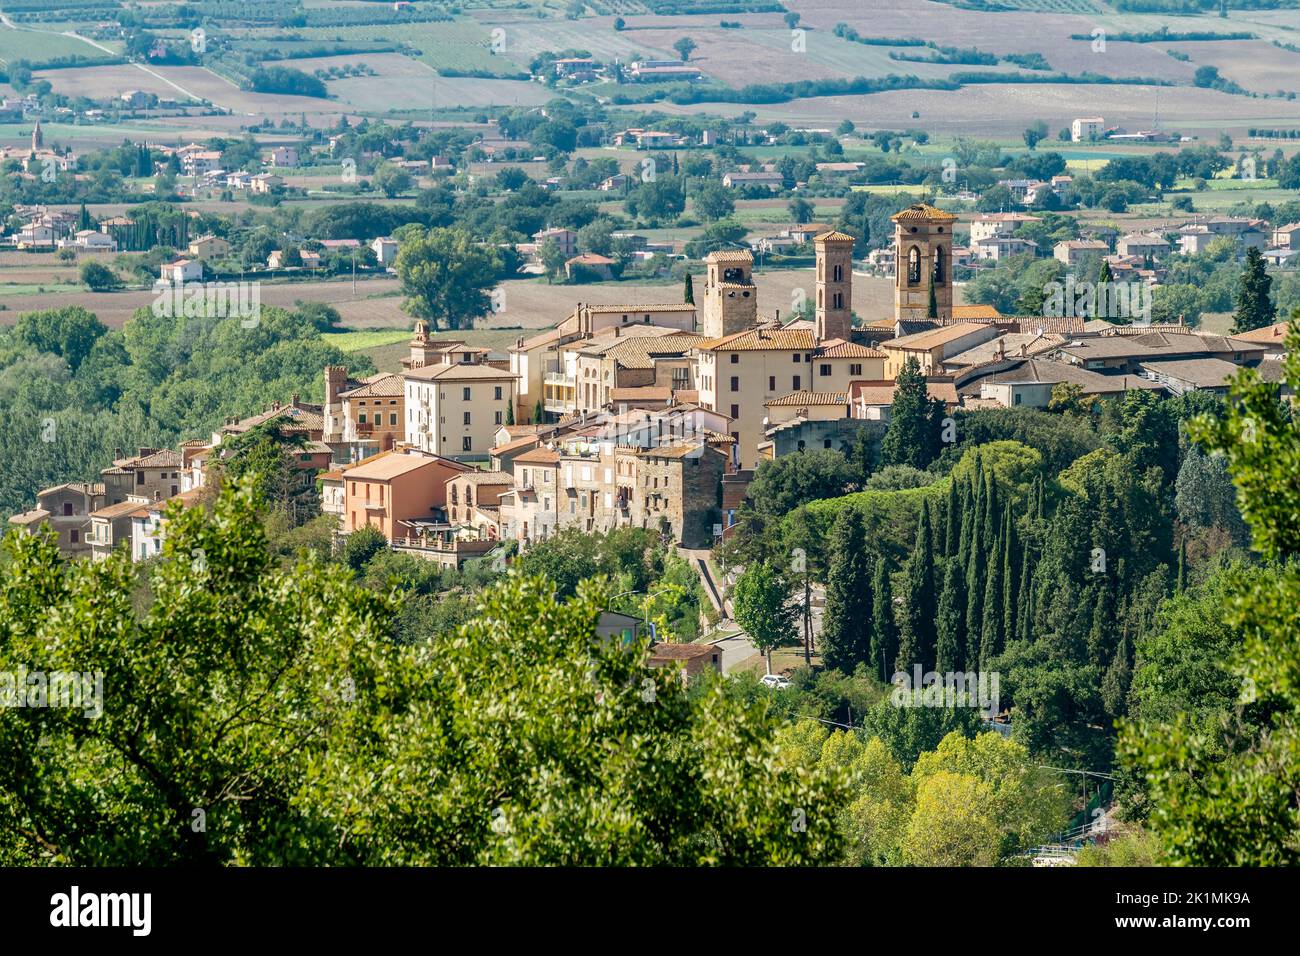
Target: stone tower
<point x="730" y="299"/>
<point x="834" y="285"/>
<point x="923" y="255"/>
<point x="38" y="137"/>
<point x="422" y="347"/>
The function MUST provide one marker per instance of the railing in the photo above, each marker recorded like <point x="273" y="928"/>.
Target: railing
<point x="456" y="546"/>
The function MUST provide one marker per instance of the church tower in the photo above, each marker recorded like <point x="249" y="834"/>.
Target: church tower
<point x="38" y="137"/>
<point x="730" y="298"/>
<point x="422" y="347"/>
<point x="923" y="260"/>
<point x="834" y="285"/>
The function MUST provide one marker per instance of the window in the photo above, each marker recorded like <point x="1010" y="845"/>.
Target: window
<point x="938" y="266"/>
<point x="826" y="443"/>
<point x="735" y="411"/>
<point x="139" y="477"/>
<point x="467" y="418"/>
<point x="735" y="383"/>
<point x="361" y="419"/>
<point x="837" y="300"/>
<point x="498" y="418"/>
<point x="825" y="369"/>
<point x="855" y="369"/>
<point x="837" y="273"/>
<point x="497" y="393"/>
<point x="465" y="443"/>
<point x="771" y="383"/>
<point x="392" y="418"/>
<point x="67" y="508"/>
<point x="465" y="393"/>
<point x="76" y="536"/>
<point x="796" y="357"/>
<point x="913" y="266"/>
<point x="798" y="383"/>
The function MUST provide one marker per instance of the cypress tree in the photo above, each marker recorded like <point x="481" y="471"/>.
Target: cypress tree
<point x="1254" y="307"/>
<point x="917" y="637"/>
<point x="884" y="632"/>
<point x="1025" y="601"/>
<point x="1010" y="558"/>
<point x="846" y="631"/>
<point x="950" y="623"/>
<point x="989" y="636"/>
<point x="1115" y="684"/>
<point x="952" y="519"/>
<point x="689" y="293"/>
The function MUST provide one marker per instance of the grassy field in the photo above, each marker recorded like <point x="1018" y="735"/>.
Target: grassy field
<point x="461" y="45"/>
<point x="39" y="46"/>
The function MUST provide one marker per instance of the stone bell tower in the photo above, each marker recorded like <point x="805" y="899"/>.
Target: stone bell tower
<point x="923" y="257"/>
<point x="730" y="298"/>
<point x="834" y="285"/>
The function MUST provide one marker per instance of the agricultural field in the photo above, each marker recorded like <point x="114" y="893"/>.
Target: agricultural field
<point x="41" y="46"/>
<point x="460" y="45"/>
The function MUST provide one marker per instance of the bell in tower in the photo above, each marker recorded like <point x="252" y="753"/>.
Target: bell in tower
<point x="730" y="298"/>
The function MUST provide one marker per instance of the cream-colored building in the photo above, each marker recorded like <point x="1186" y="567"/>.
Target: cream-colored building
<point x="933" y="347"/>
<point x="737" y="374"/>
<point x="455" y="410"/>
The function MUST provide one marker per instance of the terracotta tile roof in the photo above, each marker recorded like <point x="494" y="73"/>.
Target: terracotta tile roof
<point x="838" y="348"/>
<point x="643" y="307"/>
<point x="539" y="456"/>
<point x="727" y="255"/>
<point x="641" y="352"/>
<point x="934" y="337"/>
<point x="82" y="487"/>
<point x="681" y="652"/>
<point x="388" y="386"/>
<point x="526" y="441"/>
<point x="35" y="516"/>
<point x="965" y="313"/>
<point x="802" y="398"/>
<point x="461" y="372"/>
<point x="484" y="478"/>
<point x="922" y="210"/>
<point x="670" y="451"/>
<point x="118" y="510"/>
<point x="760" y="339"/>
<point x="394" y="464"/>
<point x="835" y="236"/>
<point x="1269" y="334"/>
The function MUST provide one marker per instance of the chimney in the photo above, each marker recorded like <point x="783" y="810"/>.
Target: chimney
<point x="293" y="402"/>
<point x="778" y="316"/>
<point x="117" y="454"/>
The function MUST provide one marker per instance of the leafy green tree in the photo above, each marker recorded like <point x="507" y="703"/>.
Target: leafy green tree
<point x="445" y="276"/>
<point x="713" y="201"/>
<point x="684" y="46"/>
<point x="70" y="333"/>
<point x="242" y="703"/>
<point x="362" y="545"/>
<point x="761" y="600"/>
<point x="782" y="484"/>
<point x="391" y="180"/>
<point x="846" y="631"/>
<point x="99" y="277"/>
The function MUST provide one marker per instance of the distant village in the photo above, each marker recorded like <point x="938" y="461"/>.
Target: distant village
<point x="655" y="414"/>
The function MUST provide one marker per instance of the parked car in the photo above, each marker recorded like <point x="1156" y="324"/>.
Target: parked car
<point x="776" y="681"/>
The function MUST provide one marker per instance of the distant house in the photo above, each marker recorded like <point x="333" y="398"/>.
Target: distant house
<point x="660" y="70"/>
<point x="1072" y="251"/>
<point x="772" y="180"/>
<point x="566" y="239"/>
<point x="181" y="270"/>
<point x="1087" y="128"/>
<point x="90" y="240"/>
<point x="1288" y="236"/>
<point x="284" y="156"/>
<point x="200" y="162"/>
<point x="591" y="263"/>
<point x="990" y="224"/>
<point x="265" y="182"/>
<point x="1141" y="244"/>
<point x="385" y="248"/>
<point x="208" y="247"/>
<point x="616" y="182"/>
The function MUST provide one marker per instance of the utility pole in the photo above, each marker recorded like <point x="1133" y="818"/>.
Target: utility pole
<point x="807" y="619"/>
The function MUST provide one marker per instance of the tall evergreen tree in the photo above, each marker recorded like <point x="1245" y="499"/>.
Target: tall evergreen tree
<point x="991" y="626"/>
<point x="846" y="631"/>
<point x="689" y="293"/>
<point x="1010" y="567"/>
<point x="917" y="636"/>
<point x="884" y="631"/>
<point x="951" y="520"/>
<point x="1254" y="307"/>
<point x="950" y="622"/>
<point x="914" y="420"/>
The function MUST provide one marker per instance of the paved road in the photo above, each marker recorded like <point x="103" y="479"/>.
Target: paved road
<point x="736" y="649"/>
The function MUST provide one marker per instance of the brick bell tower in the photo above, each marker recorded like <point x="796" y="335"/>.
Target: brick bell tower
<point x="730" y="297"/>
<point x="834" y="285"/>
<point x="923" y="256"/>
